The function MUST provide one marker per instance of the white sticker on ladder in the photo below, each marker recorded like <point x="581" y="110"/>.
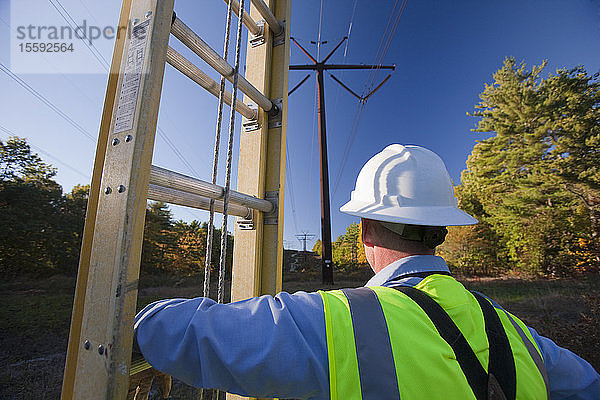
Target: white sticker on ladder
<point x="132" y="77"/>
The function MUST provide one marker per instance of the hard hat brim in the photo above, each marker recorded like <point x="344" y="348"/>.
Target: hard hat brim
<point x="432" y="216"/>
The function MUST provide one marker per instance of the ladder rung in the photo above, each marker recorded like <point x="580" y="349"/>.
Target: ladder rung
<point x="187" y="68"/>
<point x="173" y="196"/>
<point x="252" y="26"/>
<point x="266" y="13"/>
<point x="188" y="37"/>
<point x="173" y="180"/>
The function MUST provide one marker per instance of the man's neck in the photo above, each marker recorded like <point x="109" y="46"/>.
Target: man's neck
<point x="384" y="257"/>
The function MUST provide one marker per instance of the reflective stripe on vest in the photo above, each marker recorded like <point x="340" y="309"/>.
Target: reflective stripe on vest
<point x="424" y="364"/>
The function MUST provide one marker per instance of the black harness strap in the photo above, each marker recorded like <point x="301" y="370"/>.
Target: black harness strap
<point x="470" y="365"/>
<point x="502" y="363"/>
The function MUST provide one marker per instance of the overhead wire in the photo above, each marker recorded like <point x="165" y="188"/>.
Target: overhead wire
<point x="161" y="132"/>
<point x="349" y="143"/>
<point x="386" y="41"/>
<point x="48" y="154"/>
<point x="47" y="102"/>
<point x="163" y="135"/>
<point x="348" y="34"/>
<point x="84" y="38"/>
<point x="382" y="50"/>
<point x="79" y="128"/>
<point x="288" y="175"/>
<point x="320" y="29"/>
<point x="61" y="113"/>
<point x="380" y="45"/>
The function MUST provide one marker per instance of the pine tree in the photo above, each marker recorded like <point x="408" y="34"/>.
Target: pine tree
<point x="537" y="179"/>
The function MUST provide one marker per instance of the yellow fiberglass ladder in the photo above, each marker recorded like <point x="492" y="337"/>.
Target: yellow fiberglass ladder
<point x="101" y="336"/>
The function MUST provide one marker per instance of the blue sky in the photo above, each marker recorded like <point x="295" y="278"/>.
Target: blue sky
<point x="444" y="51"/>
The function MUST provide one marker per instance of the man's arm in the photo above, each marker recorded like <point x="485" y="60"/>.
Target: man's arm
<point x="570" y="376"/>
<point x="263" y="347"/>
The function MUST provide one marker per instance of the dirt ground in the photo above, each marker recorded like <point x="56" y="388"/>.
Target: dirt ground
<point x="36" y="315"/>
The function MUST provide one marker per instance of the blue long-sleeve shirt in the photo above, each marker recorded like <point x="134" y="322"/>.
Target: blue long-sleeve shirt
<point x="276" y="346"/>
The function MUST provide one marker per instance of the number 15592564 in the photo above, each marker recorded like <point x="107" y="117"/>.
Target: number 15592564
<point x="46" y="47"/>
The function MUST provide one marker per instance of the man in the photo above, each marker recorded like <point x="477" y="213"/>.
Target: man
<point x="413" y="332"/>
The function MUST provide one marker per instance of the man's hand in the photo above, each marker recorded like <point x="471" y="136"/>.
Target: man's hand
<point x="140" y="384"/>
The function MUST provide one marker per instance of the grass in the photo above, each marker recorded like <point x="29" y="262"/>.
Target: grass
<point x="36" y="316"/>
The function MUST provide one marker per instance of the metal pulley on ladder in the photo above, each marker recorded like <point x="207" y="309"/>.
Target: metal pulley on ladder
<point x="99" y="351"/>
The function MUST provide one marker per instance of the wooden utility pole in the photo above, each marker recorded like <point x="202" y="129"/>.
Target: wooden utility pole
<point x="320" y="67"/>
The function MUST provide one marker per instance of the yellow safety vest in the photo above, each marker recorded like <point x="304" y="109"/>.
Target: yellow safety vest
<point x="387" y="347"/>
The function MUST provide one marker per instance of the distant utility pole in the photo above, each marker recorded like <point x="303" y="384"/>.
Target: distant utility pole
<point x="320" y="67"/>
<point x="304" y="237"/>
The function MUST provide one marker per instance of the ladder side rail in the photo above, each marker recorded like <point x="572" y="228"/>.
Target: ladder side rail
<point x="73" y="347"/>
<point x="258" y="250"/>
<point x="271" y="276"/>
<point x="106" y="336"/>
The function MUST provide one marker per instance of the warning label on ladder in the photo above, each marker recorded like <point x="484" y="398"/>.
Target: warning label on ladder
<point x="132" y="77"/>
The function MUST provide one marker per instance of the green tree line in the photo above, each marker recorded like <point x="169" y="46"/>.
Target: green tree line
<point x="41" y="227"/>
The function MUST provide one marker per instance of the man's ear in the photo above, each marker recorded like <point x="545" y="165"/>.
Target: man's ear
<point x="366" y="231"/>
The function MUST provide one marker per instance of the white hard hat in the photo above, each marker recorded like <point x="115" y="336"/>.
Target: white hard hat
<point x="406" y="185"/>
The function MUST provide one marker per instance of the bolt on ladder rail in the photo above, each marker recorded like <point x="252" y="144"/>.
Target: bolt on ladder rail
<point x="101" y="335"/>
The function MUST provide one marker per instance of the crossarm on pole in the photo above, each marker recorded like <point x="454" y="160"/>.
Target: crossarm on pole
<point x="347" y="88"/>
<point x="298" y="85"/>
<point x="352" y="66"/>
<point x="304" y="51"/>
<point x="334" y="49"/>
<point x="377" y="88"/>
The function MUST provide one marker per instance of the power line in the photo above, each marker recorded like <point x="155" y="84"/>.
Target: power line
<point x="47" y="102"/>
<point x="357" y="117"/>
<point x="386" y="40"/>
<point x="62" y="11"/>
<point x="382" y="50"/>
<point x="178" y="153"/>
<point x="11" y="133"/>
<point x="69" y="19"/>
<point x="350" y="29"/>
<point x="320" y="27"/>
<point x="291" y="186"/>
<point x="106" y="66"/>
<point x="337" y="93"/>
<point x="66" y="117"/>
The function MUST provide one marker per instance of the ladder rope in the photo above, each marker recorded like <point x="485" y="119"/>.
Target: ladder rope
<point x="238" y="47"/>
<point x="210" y="232"/>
